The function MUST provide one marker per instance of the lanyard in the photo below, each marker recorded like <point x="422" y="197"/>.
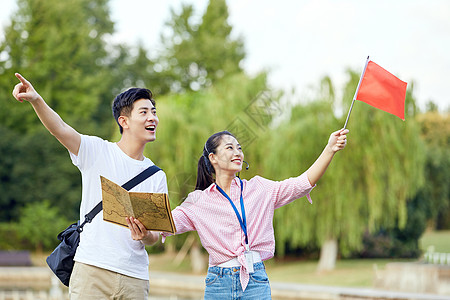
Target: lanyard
<point x="243" y="220"/>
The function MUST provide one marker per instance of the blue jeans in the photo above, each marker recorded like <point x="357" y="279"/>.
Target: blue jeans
<point x="224" y="283"/>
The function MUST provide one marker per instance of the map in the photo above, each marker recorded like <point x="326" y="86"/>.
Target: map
<point x="152" y="209"/>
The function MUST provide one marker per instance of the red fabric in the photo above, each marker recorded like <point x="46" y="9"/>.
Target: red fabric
<point x="383" y="90"/>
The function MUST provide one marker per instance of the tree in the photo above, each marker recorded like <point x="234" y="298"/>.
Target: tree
<point x="435" y="131"/>
<point x="8" y="160"/>
<point x="366" y="185"/>
<point x="199" y="54"/>
<point x="66" y="59"/>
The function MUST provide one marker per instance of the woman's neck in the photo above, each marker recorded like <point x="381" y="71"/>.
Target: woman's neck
<point x="224" y="181"/>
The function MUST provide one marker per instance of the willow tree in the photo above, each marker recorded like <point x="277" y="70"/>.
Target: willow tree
<point x="367" y="184"/>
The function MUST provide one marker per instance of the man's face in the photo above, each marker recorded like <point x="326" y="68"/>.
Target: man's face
<point x="142" y="122"/>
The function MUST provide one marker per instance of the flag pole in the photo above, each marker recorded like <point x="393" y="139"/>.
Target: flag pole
<point x="356" y="92"/>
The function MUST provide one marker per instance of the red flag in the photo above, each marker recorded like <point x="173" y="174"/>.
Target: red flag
<point x="382" y="90"/>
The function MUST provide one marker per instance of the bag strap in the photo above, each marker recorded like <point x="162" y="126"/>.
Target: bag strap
<point x="127" y="185"/>
<point x="141" y="177"/>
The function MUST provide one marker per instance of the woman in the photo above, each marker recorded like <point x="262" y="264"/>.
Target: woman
<point x="234" y="217"/>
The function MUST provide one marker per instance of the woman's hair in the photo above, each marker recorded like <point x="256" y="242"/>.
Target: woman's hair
<point x="205" y="168"/>
<point x="123" y="103"/>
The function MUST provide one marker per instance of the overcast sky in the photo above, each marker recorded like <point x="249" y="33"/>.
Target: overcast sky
<point x="301" y="41"/>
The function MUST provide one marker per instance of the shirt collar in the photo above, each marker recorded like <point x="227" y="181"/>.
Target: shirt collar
<point x="213" y="188"/>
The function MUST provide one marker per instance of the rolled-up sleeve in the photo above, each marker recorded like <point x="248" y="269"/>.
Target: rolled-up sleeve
<point x="285" y="191"/>
<point x="182" y="219"/>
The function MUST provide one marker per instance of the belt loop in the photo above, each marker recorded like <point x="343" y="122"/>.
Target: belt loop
<point x="220" y="272"/>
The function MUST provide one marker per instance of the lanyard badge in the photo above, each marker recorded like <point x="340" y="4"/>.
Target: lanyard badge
<point x="243" y="223"/>
<point x="249" y="259"/>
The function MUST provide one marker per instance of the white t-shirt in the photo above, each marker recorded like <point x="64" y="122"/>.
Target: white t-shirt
<point x="103" y="244"/>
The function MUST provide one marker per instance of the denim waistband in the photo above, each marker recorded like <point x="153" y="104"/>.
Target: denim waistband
<point x="235" y="262"/>
<point x="234" y="270"/>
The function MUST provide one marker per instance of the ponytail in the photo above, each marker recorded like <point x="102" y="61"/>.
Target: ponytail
<point x="204" y="175"/>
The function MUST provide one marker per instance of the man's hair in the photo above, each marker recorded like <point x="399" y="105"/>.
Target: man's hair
<point x="123" y="103"/>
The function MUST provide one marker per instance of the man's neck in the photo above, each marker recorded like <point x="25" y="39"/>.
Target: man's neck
<point x="132" y="149"/>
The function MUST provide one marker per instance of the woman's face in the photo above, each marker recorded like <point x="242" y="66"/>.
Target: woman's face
<point x="228" y="156"/>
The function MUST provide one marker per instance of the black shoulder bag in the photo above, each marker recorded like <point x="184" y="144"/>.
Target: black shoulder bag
<point x="61" y="259"/>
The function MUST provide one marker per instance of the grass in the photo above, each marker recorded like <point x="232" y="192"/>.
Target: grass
<point x="348" y="272"/>
<point x="440" y="240"/>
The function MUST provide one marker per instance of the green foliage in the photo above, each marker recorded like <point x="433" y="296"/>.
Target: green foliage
<point x="63" y="56"/>
<point x="9" y="237"/>
<point x="8" y="160"/>
<point x="435" y="131"/>
<point x="36" y="167"/>
<point x="366" y="186"/>
<point x="198" y="54"/>
<point x="384" y="245"/>
<point x="40" y="223"/>
<point x="66" y="60"/>
<point x="399" y="242"/>
<point x="300" y="224"/>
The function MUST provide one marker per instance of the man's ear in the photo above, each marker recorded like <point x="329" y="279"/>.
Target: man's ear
<point x="123" y="121"/>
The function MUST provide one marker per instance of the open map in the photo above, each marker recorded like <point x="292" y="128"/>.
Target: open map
<point x="152" y="209"/>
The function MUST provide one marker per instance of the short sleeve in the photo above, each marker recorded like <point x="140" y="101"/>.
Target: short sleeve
<point x="90" y="147"/>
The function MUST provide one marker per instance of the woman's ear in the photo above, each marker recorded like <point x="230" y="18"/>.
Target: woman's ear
<point x="212" y="158"/>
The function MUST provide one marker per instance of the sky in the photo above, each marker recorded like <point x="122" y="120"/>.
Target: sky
<point x="301" y="41"/>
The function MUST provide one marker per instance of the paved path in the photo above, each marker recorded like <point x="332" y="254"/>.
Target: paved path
<point x="164" y="285"/>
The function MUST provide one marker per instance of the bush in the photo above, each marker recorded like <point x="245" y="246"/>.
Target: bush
<point x="387" y="245"/>
<point x="40" y="224"/>
<point x="9" y="237"/>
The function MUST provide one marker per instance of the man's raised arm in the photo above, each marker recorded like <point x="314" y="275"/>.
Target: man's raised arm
<point x="65" y="134"/>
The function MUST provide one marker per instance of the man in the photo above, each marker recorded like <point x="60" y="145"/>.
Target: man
<point x="110" y="261"/>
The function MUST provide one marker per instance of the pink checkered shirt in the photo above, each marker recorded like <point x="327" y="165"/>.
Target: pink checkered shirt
<point x="210" y="214"/>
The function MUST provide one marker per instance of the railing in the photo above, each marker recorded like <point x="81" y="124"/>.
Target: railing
<point x="437" y="258"/>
